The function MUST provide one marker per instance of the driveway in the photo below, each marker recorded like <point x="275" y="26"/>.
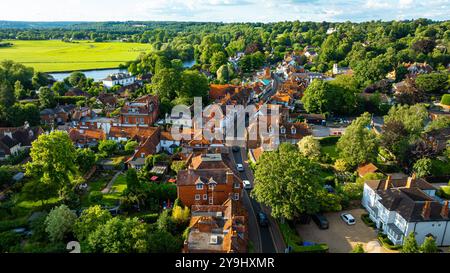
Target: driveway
<point x="342" y="238"/>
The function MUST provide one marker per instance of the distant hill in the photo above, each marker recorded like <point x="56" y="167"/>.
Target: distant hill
<point x="24" y="25"/>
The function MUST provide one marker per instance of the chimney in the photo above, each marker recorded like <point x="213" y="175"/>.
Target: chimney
<point x="409" y="182"/>
<point x="230" y="177"/>
<point x="388" y="181"/>
<point x="426" y="211"/>
<point x="444" y="211"/>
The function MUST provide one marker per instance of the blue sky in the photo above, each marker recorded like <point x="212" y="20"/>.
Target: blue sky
<point x="223" y="10"/>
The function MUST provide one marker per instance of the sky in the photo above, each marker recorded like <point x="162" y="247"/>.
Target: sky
<point x="223" y="10"/>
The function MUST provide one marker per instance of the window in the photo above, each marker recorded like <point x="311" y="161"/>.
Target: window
<point x="236" y="196"/>
<point x="199" y="186"/>
<point x="143" y="155"/>
<point x="197" y="197"/>
<point x="211" y="201"/>
<point x="205" y="197"/>
<point x="211" y="186"/>
<point x="283" y="130"/>
<point x="237" y="185"/>
<point x="293" y="130"/>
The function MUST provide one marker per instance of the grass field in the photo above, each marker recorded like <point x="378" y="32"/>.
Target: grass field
<point x="56" y="56"/>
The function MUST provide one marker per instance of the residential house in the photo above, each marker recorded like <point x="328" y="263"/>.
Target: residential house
<point x="217" y="229"/>
<point x="76" y="92"/>
<point x="143" y="111"/>
<point x="366" y="169"/>
<point x="122" y="79"/>
<point x="400" y="207"/>
<point x="16" y="139"/>
<point x="108" y="100"/>
<point x="57" y="115"/>
<point x="148" y="145"/>
<point x="86" y="136"/>
<point x="210" y="179"/>
<point x="168" y="143"/>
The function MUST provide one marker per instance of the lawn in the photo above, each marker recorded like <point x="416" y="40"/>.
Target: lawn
<point x="112" y="198"/>
<point x="55" y="55"/>
<point x="331" y="151"/>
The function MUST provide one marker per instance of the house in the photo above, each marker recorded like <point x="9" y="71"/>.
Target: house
<point x="217" y="92"/>
<point x="168" y="143"/>
<point x="341" y="70"/>
<point x="148" y="145"/>
<point x="76" y="92"/>
<point x="217" y="229"/>
<point x="16" y="139"/>
<point x="209" y="179"/>
<point x="108" y="100"/>
<point x="418" y="68"/>
<point x="84" y="136"/>
<point x="59" y="114"/>
<point x="143" y="111"/>
<point x="122" y="79"/>
<point x="367" y="168"/>
<point x="399" y="207"/>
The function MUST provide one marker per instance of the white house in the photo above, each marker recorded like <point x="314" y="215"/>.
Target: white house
<point x="122" y="79"/>
<point x="401" y="206"/>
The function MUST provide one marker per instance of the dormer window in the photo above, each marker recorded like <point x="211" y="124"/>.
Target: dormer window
<point x="293" y="130"/>
<point x="283" y="130"/>
<point x="199" y="186"/>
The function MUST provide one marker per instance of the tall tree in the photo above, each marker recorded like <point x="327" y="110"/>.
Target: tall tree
<point x="410" y="244"/>
<point x="46" y="97"/>
<point x="59" y="223"/>
<point x="358" y="144"/>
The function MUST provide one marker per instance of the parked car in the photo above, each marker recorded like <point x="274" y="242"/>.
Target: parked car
<point x="320" y="220"/>
<point x="240" y="167"/>
<point x="263" y="221"/>
<point x="348" y="218"/>
<point x="247" y="184"/>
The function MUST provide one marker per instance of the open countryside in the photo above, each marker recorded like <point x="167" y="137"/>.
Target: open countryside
<point x="56" y="55"/>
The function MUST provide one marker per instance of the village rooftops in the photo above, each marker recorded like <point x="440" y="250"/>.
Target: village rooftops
<point x="117" y="76"/>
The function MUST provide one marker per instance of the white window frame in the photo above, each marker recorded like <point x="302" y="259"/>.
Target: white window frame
<point x="236" y="196"/>
<point x="211" y="201"/>
<point x="205" y="197"/>
<point x="199" y="186"/>
<point x="197" y="197"/>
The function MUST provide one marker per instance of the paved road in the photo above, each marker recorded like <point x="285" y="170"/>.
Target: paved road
<point x="266" y="240"/>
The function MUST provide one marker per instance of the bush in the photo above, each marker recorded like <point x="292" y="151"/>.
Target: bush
<point x="366" y="219"/>
<point x="12" y="224"/>
<point x="327" y="141"/>
<point x="9" y="239"/>
<point x="445" y="99"/>
<point x="95" y="197"/>
<point x="319" y="248"/>
<point x="384" y="240"/>
<point x="150" y="218"/>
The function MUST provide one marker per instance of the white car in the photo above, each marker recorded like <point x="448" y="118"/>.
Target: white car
<point x="247" y="184"/>
<point x="348" y="218"/>
<point x="240" y="167"/>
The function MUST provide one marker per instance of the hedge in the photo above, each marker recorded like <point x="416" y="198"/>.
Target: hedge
<point x="331" y="140"/>
<point x="150" y="218"/>
<point x="366" y="219"/>
<point x="69" y="99"/>
<point x="384" y="240"/>
<point x="12" y="224"/>
<point x="319" y="248"/>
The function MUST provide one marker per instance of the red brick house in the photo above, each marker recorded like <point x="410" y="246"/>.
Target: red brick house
<point x="142" y="111"/>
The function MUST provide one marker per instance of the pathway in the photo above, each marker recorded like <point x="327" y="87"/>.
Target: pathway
<point x="108" y="187"/>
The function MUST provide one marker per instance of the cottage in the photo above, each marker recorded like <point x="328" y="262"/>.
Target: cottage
<point x="399" y="207"/>
<point x="16" y="139"/>
<point x="122" y="79"/>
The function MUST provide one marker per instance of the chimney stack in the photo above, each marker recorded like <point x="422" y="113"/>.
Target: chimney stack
<point x="444" y="211"/>
<point x="409" y="182"/>
<point x="426" y="211"/>
<point x="388" y="181"/>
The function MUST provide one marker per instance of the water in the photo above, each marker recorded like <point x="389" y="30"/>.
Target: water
<point x="100" y="74"/>
<point x="97" y="75"/>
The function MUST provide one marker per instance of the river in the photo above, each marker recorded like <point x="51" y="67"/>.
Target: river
<point x="100" y="74"/>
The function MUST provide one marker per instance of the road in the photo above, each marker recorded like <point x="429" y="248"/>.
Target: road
<point x="265" y="240"/>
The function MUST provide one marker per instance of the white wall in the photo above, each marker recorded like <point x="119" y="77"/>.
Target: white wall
<point x="436" y="228"/>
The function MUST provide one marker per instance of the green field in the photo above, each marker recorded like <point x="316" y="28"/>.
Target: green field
<point x="55" y="55"/>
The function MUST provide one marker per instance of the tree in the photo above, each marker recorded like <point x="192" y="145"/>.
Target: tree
<point x="131" y="145"/>
<point x="217" y="60"/>
<point x="358" y="249"/>
<point x="408" y="93"/>
<point x="180" y="215"/>
<point x="77" y="79"/>
<point x="410" y="244"/>
<point x="19" y="90"/>
<point x="107" y="147"/>
<point x="53" y="161"/>
<point x="39" y="79"/>
<point x="133" y="184"/>
<point x="165" y="222"/>
<point x="369" y="71"/>
<point x="7" y="97"/>
<point x="429" y="245"/>
<point x="359" y="144"/>
<point x="85" y="159"/>
<point x="393" y="138"/>
<point x="119" y="236"/>
<point x="433" y="83"/>
<point x="59" y="223"/>
<point x="422" y="167"/>
<point x="177" y="166"/>
<point x="46" y="98"/>
<point x="225" y="73"/>
<point x="59" y="88"/>
<point x="309" y="147"/>
<point x="445" y="100"/>
<point x="288" y="182"/>
<point x="424" y="46"/>
<point x="167" y="83"/>
<point x="162" y="241"/>
<point x="413" y="117"/>
<point x="440" y="122"/>
<point x="194" y="84"/>
<point x="90" y="219"/>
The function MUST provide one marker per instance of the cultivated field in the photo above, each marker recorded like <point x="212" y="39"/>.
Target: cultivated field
<point x="55" y="55"/>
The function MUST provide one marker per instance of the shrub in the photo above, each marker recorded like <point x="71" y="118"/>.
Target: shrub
<point x="384" y="240"/>
<point x="95" y="197"/>
<point x="8" y="239"/>
<point x="366" y="219"/>
<point x="12" y="224"/>
<point x="326" y="141"/>
<point x="445" y="99"/>
<point x="150" y="218"/>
